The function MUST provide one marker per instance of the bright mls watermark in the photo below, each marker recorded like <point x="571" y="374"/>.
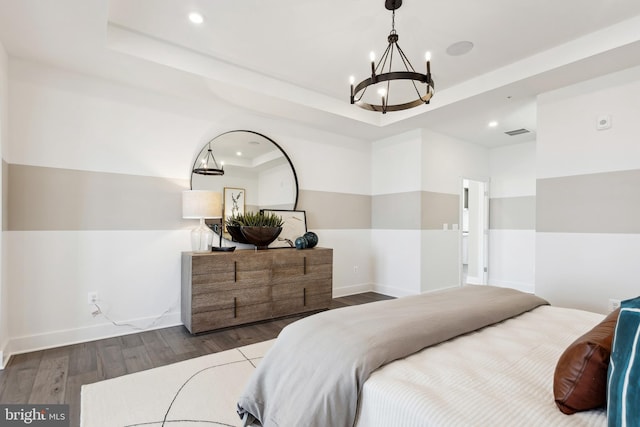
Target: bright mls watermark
<point x="34" y="415"/>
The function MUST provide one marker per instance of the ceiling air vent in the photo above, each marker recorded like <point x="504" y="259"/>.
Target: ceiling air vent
<point x="517" y="132"/>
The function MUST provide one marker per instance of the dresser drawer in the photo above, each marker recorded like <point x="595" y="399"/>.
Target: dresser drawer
<point x="228" y="299"/>
<point x="208" y="320"/>
<point x="301" y="304"/>
<point x="306" y="295"/>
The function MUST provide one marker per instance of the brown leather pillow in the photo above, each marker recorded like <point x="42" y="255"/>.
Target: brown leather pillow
<point x="580" y="379"/>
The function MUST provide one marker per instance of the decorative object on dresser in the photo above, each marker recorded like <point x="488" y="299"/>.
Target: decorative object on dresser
<point x="201" y="204"/>
<point x="234" y="202"/>
<point x="307" y="241"/>
<point x="227" y="289"/>
<point x="294" y="225"/>
<point x="255" y="228"/>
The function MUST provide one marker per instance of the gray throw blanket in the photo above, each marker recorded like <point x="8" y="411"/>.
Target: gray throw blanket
<point x="313" y="374"/>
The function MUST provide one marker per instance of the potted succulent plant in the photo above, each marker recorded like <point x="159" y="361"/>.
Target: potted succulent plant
<point x="255" y="228"/>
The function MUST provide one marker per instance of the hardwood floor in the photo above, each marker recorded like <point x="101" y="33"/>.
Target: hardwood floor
<point x="56" y="375"/>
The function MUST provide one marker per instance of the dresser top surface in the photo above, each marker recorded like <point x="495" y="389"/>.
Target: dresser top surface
<point x="257" y="252"/>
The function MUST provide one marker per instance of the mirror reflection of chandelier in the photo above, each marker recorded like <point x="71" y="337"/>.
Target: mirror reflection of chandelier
<point x="207" y="164"/>
<point x="383" y="75"/>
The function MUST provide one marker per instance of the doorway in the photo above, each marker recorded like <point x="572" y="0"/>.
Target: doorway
<point x="474" y="217"/>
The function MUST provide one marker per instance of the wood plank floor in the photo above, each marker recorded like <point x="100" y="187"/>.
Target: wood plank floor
<point x="56" y="375"/>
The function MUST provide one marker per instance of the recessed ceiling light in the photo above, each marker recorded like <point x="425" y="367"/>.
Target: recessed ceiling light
<point x="460" y="48"/>
<point x="238" y="153"/>
<point x="196" y="18"/>
<point x="493" y="124"/>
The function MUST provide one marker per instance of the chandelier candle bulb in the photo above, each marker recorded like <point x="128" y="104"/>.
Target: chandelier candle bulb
<point x="382" y="92"/>
<point x="427" y="57"/>
<point x="372" y="55"/>
<point x="352" y="80"/>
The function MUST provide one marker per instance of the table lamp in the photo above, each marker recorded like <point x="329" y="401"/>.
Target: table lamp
<point x="201" y="204"/>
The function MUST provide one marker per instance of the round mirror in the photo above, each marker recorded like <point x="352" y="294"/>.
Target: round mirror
<point x="251" y="162"/>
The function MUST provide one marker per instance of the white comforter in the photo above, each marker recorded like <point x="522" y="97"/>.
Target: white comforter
<point x="499" y="376"/>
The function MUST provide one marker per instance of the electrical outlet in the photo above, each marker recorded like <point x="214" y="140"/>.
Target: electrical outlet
<point x="92" y="297"/>
<point x="613" y="304"/>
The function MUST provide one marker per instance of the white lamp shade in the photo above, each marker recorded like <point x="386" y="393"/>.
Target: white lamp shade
<point x="198" y="204"/>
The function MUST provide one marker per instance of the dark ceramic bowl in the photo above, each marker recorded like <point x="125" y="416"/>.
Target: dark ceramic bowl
<point x="236" y="234"/>
<point x="260" y="236"/>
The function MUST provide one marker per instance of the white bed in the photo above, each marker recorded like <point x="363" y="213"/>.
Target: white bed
<point x="426" y="360"/>
<point x="501" y="375"/>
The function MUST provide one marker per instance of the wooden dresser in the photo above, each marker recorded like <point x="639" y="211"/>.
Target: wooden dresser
<point x="222" y="289"/>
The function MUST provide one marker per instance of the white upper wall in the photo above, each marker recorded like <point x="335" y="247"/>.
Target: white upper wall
<point x="121" y="129"/>
<point x="570" y="115"/>
<point x="513" y="170"/>
<point x="396" y="163"/>
<point x="446" y="160"/>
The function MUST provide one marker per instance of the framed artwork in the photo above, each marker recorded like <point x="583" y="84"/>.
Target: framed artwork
<point x="234" y="203"/>
<point x="295" y="225"/>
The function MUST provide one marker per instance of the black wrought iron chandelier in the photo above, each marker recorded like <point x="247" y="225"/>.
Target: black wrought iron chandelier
<point x="206" y="164"/>
<point x="383" y="73"/>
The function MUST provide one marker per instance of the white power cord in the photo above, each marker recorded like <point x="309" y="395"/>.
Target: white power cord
<point x="98" y="311"/>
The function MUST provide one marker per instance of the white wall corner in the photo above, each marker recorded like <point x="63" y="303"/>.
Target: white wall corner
<point x="393" y="291"/>
<point x="524" y="287"/>
<point x="344" y="291"/>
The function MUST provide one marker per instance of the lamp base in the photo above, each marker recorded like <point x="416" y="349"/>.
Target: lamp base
<point x="201" y="238"/>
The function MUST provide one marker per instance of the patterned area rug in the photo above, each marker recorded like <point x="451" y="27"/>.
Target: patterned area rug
<point x="197" y="392"/>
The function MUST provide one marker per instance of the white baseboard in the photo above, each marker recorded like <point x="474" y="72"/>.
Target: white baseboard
<point x="88" y="333"/>
<point x="353" y="290"/>
<point x="524" y="287"/>
<point x="473" y="280"/>
<point x="391" y="291"/>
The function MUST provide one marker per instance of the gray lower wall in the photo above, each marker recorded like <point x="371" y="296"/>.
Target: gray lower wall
<point x="595" y="203"/>
<point x="43" y="198"/>
<point x="417" y="210"/>
<point x="512" y="213"/>
<point x="328" y="210"/>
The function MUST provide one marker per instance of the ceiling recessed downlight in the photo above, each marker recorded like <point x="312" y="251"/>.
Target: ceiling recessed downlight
<point x="460" y="48"/>
<point x="196" y="18"/>
<point x="493" y="124"/>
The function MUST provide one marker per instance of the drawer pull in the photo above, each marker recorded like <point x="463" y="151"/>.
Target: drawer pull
<point x="235" y="308"/>
<point x="235" y="271"/>
<point x="304" y="296"/>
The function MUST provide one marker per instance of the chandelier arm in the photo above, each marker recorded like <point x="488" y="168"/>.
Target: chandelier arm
<point x="384" y="57"/>
<point x="404" y="58"/>
<point x="406" y="61"/>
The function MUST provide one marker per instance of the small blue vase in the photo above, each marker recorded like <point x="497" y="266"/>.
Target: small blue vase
<point x="301" y="243"/>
